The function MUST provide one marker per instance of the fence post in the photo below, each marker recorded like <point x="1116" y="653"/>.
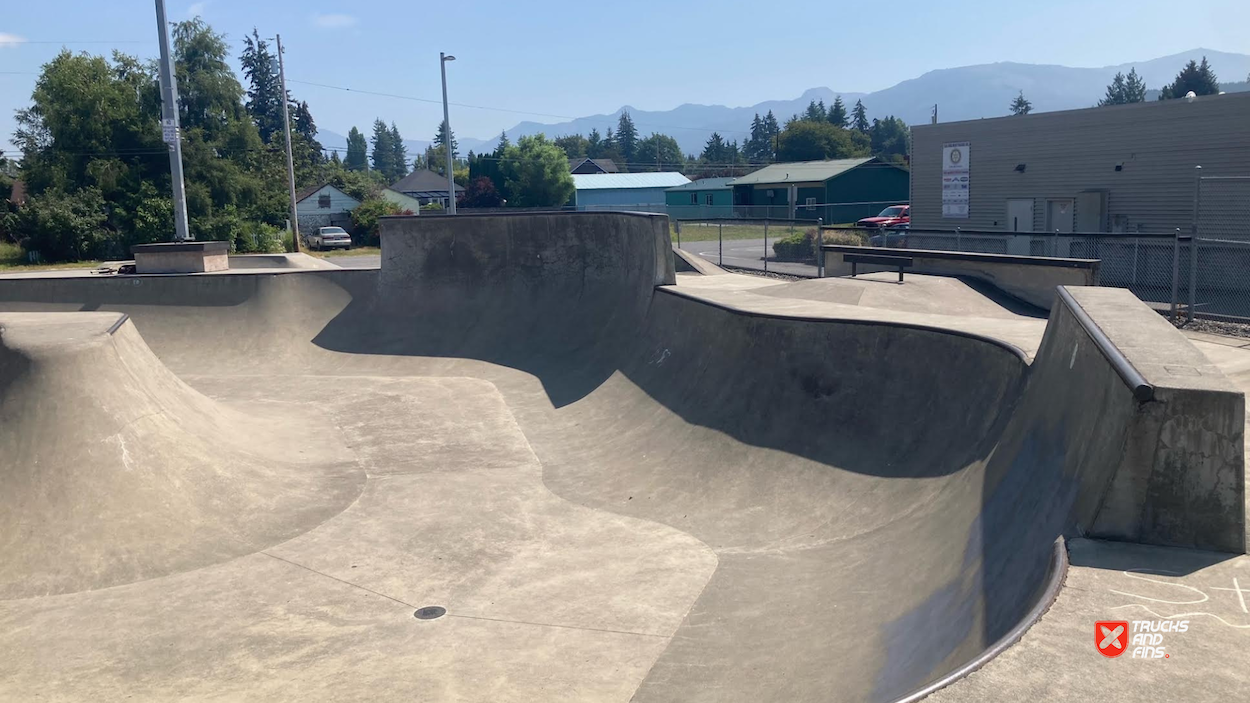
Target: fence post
<point x="820" y="253"/>
<point x="765" y="246"/>
<point x="720" y="244"/>
<point x="1193" y="244"/>
<point x="678" y="223"/>
<point x="958" y="244"/>
<point x="1176" y="270"/>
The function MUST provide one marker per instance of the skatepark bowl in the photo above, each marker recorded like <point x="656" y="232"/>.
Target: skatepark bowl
<point x="518" y="463"/>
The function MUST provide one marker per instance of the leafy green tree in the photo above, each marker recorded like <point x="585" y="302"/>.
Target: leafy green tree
<point x="365" y="219"/>
<point x="804" y="140"/>
<point x="1020" y="106"/>
<point x="536" y="172"/>
<point x="1195" y="77"/>
<point x="575" y="146"/>
<point x="627" y="138"/>
<point x="660" y="152"/>
<point x="837" y="113"/>
<point x="888" y="139"/>
<point x="859" y="117"/>
<point x="64" y="226"/>
<point x="383" y="150"/>
<point x="357" y="148"/>
<point x="264" y="101"/>
<point x="400" y="157"/>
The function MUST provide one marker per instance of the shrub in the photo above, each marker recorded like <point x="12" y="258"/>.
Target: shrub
<point x="798" y="246"/>
<point x="63" y="226"/>
<point x="365" y="220"/>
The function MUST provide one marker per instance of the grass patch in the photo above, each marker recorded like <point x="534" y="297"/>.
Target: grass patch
<point x="354" y="251"/>
<point x="13" y="259"/>
<point x="710" y="231"/>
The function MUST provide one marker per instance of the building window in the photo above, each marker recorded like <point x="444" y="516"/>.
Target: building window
<point x="694" y="198"/>
<point x="811" y="203"/>
<point x="323" y="201"/>
<point x="708" y="200"/>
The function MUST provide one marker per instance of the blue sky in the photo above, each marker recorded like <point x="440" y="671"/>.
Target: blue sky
<point x="580" y="58"/>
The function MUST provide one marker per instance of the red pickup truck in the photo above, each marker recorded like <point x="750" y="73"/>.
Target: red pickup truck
<point x="889" y="217"/>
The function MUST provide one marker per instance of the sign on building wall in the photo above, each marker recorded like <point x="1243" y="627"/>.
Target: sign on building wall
<point x="955" y="160"/>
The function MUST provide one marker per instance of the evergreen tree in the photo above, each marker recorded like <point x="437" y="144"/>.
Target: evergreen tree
<point x="1020" y="106"/>
<point x="1115" y="92"/>
<point x="400" y="158"/>
<point x="773" y="130"/>
<point x="335" y="161"/>
<point x="383" y="150"/>
<point x="302" y="122"/>
<point x="442" y="138"/>
<point x="757" y="148"/>
<point x="814" y="112"/>
<point x="715" y="151"/>
<point x="837" y="113"/>
<point x="357" y="151"/>
<point x="594" y="144"/>
<point x="503" y="143"/>
<point x="859" y="117"/>
<point x="1195" y="77"/>
<point x="1134" y="88"/>
<point x="626" y="137"/>
<point x="264" y="101"/>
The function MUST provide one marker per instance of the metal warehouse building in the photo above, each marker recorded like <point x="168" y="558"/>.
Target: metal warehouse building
<point x="624" y="191"/>
<point x="1124" y="169"/>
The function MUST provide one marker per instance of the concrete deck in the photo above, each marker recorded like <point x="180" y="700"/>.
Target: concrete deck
<point x="727" y="489"/>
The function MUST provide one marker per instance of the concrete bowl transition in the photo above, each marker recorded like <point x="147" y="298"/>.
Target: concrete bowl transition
<point x="248" y="480"/>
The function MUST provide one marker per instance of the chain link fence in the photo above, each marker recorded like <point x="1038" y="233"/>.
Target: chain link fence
<point x="1220" y="270"/>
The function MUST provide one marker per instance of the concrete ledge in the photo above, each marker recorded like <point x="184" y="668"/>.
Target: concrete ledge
<point x="1032" y="279"/>
<point x="687" y="262"/>
<point x="1181" y="478"/>
<point x="181" y="257"/>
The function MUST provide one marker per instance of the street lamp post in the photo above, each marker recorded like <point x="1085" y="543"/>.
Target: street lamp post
<point x="451" y="181"/>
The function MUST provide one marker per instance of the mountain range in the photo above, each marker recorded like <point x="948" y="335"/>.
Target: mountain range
<point x="963" y="93"/>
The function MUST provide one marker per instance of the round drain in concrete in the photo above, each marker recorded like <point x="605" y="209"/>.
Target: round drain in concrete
<point x="430" y="612"/>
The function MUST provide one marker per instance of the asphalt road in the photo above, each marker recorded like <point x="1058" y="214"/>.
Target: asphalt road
<point x="368" y="261"/>
<point x="747" y="254"/>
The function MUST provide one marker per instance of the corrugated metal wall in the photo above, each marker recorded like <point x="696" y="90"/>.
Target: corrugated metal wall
<point x="1064" y="153"/>
<point x="606" y="197"/>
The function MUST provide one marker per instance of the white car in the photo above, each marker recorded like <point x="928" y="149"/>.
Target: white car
<point x="329" y="237"/>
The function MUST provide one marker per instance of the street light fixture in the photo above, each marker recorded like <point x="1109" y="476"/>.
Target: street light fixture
<point x="451" y="181"/>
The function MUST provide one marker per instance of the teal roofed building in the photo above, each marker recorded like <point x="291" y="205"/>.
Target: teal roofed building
<point x="837" y="191"/>
<point x="702" y="199"/>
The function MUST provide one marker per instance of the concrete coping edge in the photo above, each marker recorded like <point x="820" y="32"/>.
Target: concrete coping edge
<point x="1055" y="576"/>
<point x="121" y="320"/>
<point x="1142" y="390"/>
<point x="971" y="256"/>
<point x="674" y="290"/>
<point x="211" y="246"/>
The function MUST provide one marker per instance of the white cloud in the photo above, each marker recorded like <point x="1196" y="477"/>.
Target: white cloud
<point x="197" y="8"/>
<point x="333" y="21"/>
<point x="10" y="40"/>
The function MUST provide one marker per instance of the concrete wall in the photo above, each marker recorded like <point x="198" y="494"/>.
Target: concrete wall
<point x="1156" y="144"/>
<point x="1031" y="279"/>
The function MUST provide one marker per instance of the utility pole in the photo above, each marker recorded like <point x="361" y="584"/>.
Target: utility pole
<point x="451" y="181"/>
<point x="169" y="126"/>
<point x="290" y="162"/>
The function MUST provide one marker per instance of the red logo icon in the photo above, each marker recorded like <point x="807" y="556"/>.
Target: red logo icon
<point x="1111" y="637"/>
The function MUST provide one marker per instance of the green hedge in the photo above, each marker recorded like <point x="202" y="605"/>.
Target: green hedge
<point x="798" y="246"/>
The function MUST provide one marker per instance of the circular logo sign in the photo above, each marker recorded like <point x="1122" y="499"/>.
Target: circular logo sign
<point x="956" y="156"/>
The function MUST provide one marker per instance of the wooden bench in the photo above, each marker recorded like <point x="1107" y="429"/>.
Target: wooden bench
<point x="901" y="262"/>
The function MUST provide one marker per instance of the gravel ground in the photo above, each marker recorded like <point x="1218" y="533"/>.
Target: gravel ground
<point x="1228" y="329"/>
<point x="770" y="274"/>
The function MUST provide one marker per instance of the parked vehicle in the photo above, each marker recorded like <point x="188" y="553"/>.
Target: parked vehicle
<point x="329" y="238"/>
<point x="889" y="217"/>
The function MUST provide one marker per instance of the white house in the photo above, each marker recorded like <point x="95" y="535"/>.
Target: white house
<point x="324" y="205"/>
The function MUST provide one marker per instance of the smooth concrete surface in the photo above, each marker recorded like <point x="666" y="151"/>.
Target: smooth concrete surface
<point x="278" y="261"/>
<point x="1031" y="279"/>
<point x="1057" y="660"/>
<point x="619" y="492"/>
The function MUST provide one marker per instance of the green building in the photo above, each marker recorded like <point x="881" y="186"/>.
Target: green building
<point x="704" y="198"/>
<point x="838" y="191"/>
